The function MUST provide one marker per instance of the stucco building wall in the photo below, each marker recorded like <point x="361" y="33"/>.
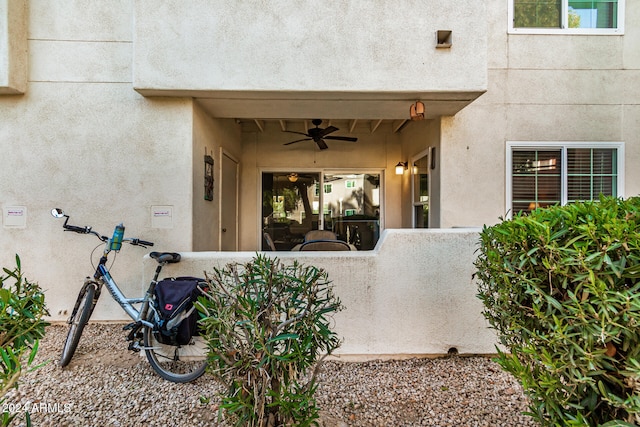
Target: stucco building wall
<point x="300" y="47"/>
<point x="13" y="46"/>
<point x="210" y="137"/>
<point x="543" y="88"/>
<point x="82" y="139"/>
<point x="108" y="128"/>
<point x="412" y="296"/>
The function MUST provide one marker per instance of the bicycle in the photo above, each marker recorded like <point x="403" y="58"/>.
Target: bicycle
<point x="179" y="363"/>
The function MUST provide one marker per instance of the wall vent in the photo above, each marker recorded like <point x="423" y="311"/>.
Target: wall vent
<point x="443" y="39"/>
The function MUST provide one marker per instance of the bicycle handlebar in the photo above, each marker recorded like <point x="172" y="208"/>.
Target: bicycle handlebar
<point x="87" y="230"/>
<point x="84" y="230"/>
<point x="138" y="242"/>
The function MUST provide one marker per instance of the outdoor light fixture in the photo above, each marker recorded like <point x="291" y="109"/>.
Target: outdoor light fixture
<point x="293" y="177"/>
<point x="416" y="111"/>
<point x="400" y="167"/>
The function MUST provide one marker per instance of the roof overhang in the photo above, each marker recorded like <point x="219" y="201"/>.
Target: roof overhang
<point x="329" y="105"/>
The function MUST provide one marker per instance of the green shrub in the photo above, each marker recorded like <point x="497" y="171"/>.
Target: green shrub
<point x="267" y="324"/>
<point x="21" y="327"/>
<point x="561" y="287"/>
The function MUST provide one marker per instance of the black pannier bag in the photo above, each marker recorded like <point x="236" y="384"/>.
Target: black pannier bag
<point x="177" y="316"/>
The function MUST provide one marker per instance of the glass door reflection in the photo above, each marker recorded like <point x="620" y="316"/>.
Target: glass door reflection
<point x="287" y="207"/>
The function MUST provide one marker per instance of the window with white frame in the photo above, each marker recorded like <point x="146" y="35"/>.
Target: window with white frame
<point x="558" y="173"/>
<point x="566" y="16"/>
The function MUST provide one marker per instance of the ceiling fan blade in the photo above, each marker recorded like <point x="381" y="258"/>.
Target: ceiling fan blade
<point x="327" y="131"/>
<point x="299" y="133"/>
<point x="342" y="138"/>
<point x="297" y="140"/>
<point x="321" y="144"/>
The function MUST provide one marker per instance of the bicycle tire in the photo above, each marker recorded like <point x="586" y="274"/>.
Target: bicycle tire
<point x="178" y="364"/>
<point x="78" y="321"/>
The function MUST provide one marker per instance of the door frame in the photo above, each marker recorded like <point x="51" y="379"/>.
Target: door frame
<point x="429" y="154"/>
<point x="223" y="153"/>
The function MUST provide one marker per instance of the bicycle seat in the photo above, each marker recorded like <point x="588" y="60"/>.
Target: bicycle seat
<point x="162" y="257"/>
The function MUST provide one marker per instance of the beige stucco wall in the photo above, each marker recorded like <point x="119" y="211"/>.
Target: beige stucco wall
<point x="210" y="136"/>
<point x="413" y="295"/>
<point x="13" y="46"/>
<point x="299" y="46"/>
<point x="540" y="88"/>
<point x="82" y="139"/>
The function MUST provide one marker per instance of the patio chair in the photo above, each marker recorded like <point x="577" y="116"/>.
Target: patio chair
<point x="320" y="235"/>
<point x="325" y="245"/>
<point x="269" y="241"/>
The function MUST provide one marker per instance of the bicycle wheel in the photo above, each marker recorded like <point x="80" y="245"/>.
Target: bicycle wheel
<point x="178" y="364"/>
<point x="78" y="321"/>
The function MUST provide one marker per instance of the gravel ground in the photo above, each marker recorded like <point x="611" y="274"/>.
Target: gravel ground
<point x="106" y="385"/>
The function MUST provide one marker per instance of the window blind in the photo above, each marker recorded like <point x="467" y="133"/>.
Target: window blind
<point x="590" y="172"/>
<point x="537" y="178"/>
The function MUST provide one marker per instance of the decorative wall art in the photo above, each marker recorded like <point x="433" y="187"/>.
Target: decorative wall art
<point x="208" y="177"/>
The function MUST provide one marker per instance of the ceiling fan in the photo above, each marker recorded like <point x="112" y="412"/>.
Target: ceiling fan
<point x="318" y="135"/>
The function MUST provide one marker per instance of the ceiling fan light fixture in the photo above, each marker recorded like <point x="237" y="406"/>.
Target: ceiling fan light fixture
<point x="293" y="177"/>
<point x="416" y="111"/>
<point x="318" y="135"/>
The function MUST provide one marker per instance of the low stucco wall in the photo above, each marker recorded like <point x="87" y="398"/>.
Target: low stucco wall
<point x="412" y="296"/>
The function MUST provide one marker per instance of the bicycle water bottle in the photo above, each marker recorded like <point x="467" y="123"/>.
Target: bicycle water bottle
<point x="116" y="240"/>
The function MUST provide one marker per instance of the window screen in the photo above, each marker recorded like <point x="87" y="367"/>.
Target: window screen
<point x="538" y="178"/>
<point x="590" y="172"/>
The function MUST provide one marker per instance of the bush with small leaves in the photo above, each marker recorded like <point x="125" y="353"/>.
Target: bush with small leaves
<point x="267" y="324"/>
<point x="561" y="286"/>
<point x="22" y="309"/>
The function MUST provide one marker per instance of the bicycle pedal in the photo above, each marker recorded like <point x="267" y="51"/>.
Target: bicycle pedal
<point x="135" y="334"/>
<point x="134" y="346"/>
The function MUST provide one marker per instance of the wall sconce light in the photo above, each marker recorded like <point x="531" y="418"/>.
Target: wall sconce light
<point x="293" y="177"/>
<point x="400" y="167"/>
<point x="416" y="111"/>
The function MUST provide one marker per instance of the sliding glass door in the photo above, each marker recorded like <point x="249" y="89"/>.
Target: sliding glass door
<point x="288" y="200"/>
<point x="351" y="205"/>
<point x="294" y="203"/>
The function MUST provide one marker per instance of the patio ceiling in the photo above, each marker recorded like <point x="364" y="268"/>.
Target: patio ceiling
<point x="346" y="126"/>
<point x="349" y="111"/>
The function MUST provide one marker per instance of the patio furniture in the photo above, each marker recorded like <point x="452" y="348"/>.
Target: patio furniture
<point x="269" y="241"/>
<point x="325" y="245"/>
<point x="361" y="230"/>
<point x="320" y="235"/>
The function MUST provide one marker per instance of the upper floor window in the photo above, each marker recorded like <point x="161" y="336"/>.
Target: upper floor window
<point x="566" y="16"/>
<point x="559" y="173"/>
